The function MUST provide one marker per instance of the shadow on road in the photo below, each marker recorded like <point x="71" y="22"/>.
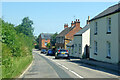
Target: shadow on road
<point x="94" y="67"/>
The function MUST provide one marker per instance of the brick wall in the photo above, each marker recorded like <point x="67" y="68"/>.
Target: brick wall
<point x="70" y="35"/>
<point x="43" y="42"/>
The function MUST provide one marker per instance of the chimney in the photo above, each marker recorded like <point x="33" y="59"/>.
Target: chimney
<point x="77" y="23"/>
<point x="65" y="26"/>
<point x="76" y="19"/>
<point x="72" y="24"/>
<point x="88" y="19"/>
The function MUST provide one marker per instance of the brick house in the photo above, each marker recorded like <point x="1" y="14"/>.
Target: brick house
<point x="79" y="46"/>
<point x="67" y="34"/>
<point x="44" y="39"/>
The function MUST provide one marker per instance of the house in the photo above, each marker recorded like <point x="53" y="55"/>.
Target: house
<point x="44" y="39"/>
<point x="67" y="34"/>
<point x="79" y="47"/>
<point x="70" y="48"/>
<point x="105" y="35"/>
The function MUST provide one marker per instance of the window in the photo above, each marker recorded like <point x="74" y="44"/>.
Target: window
<point x="63" y="40"/>
<point x="46" y="39"/>
<point x="79" y="45"/>
<point x="59" y="40"/>
<point x="95" y="48"/>
<point x="75" y="45"/>
<point x="108" y="49"/>
<point x="96" y="24"/>
<point x="109" y="26"/>
<point x="45" y="43"/>
<point x="79" y="48"/>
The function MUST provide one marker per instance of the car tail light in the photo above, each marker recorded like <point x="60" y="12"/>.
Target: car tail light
<point x="58" y="51"/>
<point x="66" y="50"/>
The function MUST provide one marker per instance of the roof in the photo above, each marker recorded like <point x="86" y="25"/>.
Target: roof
<point x="46" y="35"/>
<point x="65" y="31"/>
<point x="70" y="44"/>
<point x="82" y="30"/>
<point x="111" y="10"/>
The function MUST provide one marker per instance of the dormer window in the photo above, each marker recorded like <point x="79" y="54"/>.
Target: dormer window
<point x="96" y="25"/>
<point x="109" y="26"/>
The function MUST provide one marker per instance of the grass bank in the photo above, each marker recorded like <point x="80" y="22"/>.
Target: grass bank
<point x="17" y="44"/>
<point x="17" y="66"/>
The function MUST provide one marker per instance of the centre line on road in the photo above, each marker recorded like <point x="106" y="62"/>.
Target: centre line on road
<point x="67" y="69"/>
<point x="76" y="74"/>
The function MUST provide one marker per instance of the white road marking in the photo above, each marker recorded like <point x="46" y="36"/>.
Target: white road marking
<point x="77" y="65"/>
<point x="76" y="74"/>
<point x="26" y="70"/>
<point x="66" y="68"/>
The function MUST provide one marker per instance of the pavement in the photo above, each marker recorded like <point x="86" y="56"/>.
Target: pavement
<point x="104" y="65"/>
<point x="48" y="67"/>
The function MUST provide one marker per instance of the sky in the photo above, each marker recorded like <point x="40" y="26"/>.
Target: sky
<point x="50" y="17"/>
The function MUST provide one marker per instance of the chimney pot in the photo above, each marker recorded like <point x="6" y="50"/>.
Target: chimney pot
<point x="65" y="26"/>
<point x="76" y="19"/>
<point x="88" y="17"/>
<point x="73" y="23"/>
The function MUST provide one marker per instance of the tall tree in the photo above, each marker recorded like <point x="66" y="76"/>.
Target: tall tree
<point x="25" y="27"/>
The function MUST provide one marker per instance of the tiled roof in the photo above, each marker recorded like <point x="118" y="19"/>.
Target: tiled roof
<point x="46" y="35"/>
<point x="65" y="31"/>
<point x="108" y="11"/>
<point x="82" y="30"/>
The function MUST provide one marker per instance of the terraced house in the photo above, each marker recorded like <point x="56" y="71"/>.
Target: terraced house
<point x="67" y="34"/>
<point x="105" y="35"/>
<point x="79" y="47"/>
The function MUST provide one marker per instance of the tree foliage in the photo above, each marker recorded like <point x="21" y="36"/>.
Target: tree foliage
<point x="25" y="27"/>
<point x="37" y="42"/>
<point x="48" y="45"/>
<point x="53" y="39"/>
<point x="17" y="42"/>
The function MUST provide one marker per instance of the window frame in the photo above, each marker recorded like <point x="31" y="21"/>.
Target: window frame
<point x="95" y="47"/>
<point x="96" y="28"/>
<point x="45" y="44"/>
<point x="108" y="49"/>
<point x="109" y="25"/>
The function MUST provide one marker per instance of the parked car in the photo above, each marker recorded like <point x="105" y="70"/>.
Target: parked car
<point x="50" y="52"/>
<point x="62" y="53"/>
<point x="43" y="51"/>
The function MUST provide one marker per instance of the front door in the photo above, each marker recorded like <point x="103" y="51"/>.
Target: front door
<point x="87" y="51"/>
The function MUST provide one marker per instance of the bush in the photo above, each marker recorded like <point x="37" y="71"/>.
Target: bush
<point x="16" y="50"/>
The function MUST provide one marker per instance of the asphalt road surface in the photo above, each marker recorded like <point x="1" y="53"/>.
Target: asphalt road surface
<point x="48" y="67"/>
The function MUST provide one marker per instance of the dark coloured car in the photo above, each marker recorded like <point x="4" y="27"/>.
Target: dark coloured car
<point x="43" y="51"/>
<point x="50" y="52"/>
<point x="62" y="53"/>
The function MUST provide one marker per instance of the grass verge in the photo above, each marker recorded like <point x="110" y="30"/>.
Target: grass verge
<point x="19" y="64"/>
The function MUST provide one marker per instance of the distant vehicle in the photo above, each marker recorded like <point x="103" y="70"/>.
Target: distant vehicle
<point x="50" y="52"/>
<point x="43" y="51"/>
<point x="62" y="53"/>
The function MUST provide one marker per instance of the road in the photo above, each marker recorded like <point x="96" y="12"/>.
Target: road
<point x="48" y="67"/>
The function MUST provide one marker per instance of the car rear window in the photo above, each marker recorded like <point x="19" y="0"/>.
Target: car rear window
<point x="62" y="50"/>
